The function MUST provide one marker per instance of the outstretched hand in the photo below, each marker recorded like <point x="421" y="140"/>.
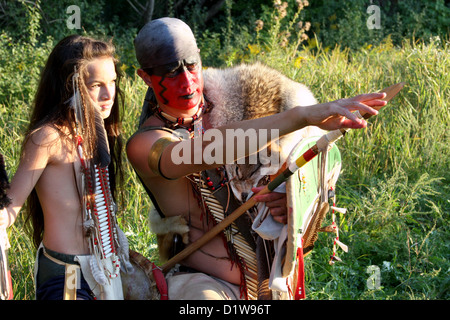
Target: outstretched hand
<point x="339" y="113"/>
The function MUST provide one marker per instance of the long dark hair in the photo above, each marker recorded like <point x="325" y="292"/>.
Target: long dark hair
<point x="51" y="107"/>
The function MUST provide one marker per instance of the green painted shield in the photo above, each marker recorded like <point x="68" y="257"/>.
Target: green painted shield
<point x="304" y="193"/>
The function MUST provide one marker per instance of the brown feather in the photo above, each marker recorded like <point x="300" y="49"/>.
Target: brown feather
<point x="103" y="157"/>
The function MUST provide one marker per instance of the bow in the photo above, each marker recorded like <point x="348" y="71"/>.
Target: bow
<point x="307" y="156"/>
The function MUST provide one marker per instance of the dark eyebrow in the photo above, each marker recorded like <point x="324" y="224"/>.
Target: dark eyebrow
<point x="172" y="66"/>
<point x="164" y="69"/>
<point x="191" y="60"/>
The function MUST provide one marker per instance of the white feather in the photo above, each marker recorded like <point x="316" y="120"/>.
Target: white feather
<point x="97" y="273"/>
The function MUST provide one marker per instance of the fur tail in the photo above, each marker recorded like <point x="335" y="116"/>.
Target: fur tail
<point x="4" y="184"/>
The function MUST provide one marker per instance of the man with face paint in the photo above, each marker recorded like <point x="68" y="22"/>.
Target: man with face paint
<point x="171" y="66"/>
<point x="178" y="86"/>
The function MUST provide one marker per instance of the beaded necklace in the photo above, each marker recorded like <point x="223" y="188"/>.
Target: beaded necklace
<point x="195" y="123"/>
<point x="190" y="124"/>
<point x="100" y="221"/>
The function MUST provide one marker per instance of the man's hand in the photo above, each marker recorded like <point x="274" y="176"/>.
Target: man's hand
<point x="276" y="202"/>
<point x="338" y="114"/>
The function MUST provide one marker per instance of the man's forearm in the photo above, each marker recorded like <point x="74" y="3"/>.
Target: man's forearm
<point x="228" y="143"/>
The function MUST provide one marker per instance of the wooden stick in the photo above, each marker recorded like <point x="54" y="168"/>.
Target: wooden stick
<point x="213" y="232"/>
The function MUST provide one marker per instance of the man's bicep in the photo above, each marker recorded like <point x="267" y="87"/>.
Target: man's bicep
<point x="143" y="152"/>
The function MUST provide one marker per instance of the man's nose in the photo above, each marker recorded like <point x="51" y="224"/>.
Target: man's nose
<point x="186" y="78"/>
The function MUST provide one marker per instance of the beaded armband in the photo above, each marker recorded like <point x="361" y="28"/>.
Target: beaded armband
<point x="154" y="156"/>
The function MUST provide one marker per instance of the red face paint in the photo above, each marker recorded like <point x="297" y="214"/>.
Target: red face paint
<point x="181" y="87"/>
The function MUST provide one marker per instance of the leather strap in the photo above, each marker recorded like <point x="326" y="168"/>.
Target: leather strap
<point x="71" y="277"/>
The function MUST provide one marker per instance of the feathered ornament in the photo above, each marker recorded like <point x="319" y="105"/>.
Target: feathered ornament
<point x="103" y="157"/>
<point x="101" y="154"/>
<point x="97" y="273"/>
<point x="99" y="209"/>
<point x="76" y="103"/>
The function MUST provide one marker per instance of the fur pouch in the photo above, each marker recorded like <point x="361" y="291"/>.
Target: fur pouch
<point x="172" y="233"/>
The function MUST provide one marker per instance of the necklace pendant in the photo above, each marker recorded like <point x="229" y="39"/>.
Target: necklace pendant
<point x="198" y="128"/>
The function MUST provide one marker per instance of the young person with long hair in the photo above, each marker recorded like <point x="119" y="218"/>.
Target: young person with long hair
<point x="69" y="170"/>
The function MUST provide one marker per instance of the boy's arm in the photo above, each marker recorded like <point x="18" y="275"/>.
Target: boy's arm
<point x="33" y="162"/>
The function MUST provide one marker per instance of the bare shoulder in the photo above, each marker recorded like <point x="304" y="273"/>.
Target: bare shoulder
<point x="143" y="140"/>
<point x="140" y="144"/>
<point x="46" y="135"/>
<point x="53" y="141"/>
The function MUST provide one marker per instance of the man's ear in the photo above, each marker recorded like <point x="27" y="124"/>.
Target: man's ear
<point x="144" y="76"/>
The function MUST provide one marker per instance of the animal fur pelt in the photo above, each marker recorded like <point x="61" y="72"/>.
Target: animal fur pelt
<point x="166" y="229"/>
<point x="140" y="284"/>
<point x="249" y="92"/>
<point x="253" y="91"/>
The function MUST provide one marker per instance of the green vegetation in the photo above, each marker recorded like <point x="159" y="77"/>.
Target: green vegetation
<point x="395" y="178"/>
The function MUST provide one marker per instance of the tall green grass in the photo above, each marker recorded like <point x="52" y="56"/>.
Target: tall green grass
<point x="394" y="182"/>
<point x="395" y="177"/>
